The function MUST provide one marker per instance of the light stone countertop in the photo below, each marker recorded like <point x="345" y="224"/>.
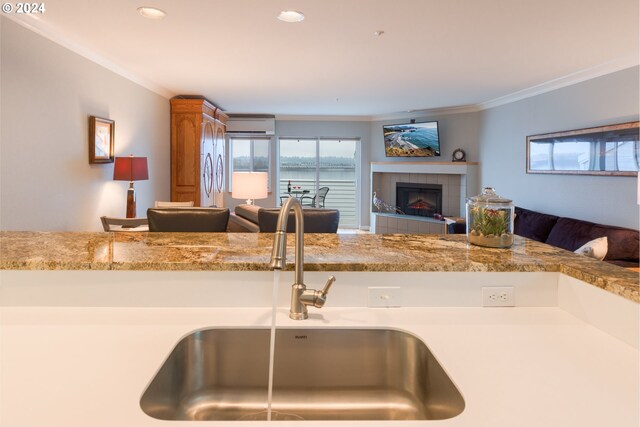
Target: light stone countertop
<point x="323" y="252"/>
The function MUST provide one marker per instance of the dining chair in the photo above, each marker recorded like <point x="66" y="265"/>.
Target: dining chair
<point x="188" y="219"/>
<point x="124" y="224"/>
<point x="317" y="201"/>
<point x="284" y="199"/>
<point x="160" y="204"/>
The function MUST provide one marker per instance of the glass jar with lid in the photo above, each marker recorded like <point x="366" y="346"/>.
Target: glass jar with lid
<point x="490" y="220"/>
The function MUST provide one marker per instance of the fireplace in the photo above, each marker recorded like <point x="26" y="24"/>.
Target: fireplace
<point x="419" y="199"/>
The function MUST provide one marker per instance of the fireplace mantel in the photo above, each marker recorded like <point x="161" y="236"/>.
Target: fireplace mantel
<point x="460" y="180"/>
<point x="451" y="168"/>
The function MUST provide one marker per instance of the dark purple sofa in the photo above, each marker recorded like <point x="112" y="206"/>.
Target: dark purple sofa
<point x="570" y="234"/>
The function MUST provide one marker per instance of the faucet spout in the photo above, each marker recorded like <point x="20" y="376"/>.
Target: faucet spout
<point x="279" y="251"/>
<point x="300" y="296"/>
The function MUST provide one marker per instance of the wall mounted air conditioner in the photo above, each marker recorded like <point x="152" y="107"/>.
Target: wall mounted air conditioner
<point x="251" y="125"/>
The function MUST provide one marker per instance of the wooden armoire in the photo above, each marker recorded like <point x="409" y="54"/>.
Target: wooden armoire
<point x="197" y="152"/>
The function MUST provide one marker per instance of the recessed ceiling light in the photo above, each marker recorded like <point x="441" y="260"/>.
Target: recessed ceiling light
<point x="291" y="16"/>
<point x="151" y="12"/>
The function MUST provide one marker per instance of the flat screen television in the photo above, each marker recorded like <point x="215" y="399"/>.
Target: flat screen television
<point x="412" y="140"/>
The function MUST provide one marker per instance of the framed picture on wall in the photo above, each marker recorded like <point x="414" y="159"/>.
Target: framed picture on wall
<point x="101" y="135"/>
<point x="604" y="150"/>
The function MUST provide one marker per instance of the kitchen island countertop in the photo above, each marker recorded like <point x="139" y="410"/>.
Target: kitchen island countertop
<point x="323" y="252"/>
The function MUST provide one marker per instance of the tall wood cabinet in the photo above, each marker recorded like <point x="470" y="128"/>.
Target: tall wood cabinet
<point x="197" y="152"/>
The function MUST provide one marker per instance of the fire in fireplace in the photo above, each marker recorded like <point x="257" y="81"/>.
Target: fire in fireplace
<point x="419" y="199"/>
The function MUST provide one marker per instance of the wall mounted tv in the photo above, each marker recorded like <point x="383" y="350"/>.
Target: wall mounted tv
<point x="412" y="140"/>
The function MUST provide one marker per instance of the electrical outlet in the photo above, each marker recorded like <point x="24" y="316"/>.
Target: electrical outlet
<point x="502" y="296"/>
<point x="384" y="296"/>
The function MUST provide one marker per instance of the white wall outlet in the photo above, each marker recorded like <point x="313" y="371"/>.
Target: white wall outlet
<point x="384" y="296"/>
<point x="498" y="296"/>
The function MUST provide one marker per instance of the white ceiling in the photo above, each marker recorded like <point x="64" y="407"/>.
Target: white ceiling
<point x="433" y="53"/>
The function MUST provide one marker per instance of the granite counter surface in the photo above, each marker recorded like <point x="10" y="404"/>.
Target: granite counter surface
<point x="323" y="252"/>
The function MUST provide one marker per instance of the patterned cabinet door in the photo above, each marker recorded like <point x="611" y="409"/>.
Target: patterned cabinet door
<point x="219" y="165"/>
<point x="207" y="164"/>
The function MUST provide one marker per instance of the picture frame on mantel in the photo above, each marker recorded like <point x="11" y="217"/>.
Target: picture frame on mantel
<point x="101" y="137"/>
<point x="612" y="150"/>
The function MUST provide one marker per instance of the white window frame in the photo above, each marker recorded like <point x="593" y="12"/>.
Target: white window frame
<point x="251" y="140"/>
<point x="358" y="171"/>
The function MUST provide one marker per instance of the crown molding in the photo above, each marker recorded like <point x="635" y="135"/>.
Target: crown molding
<point x="418" y="114"/>
<point x="33" y="23"/>
<point x="613" y="66"/>
<point x="600" y="70"/>
<point x="322" y="118"/>
<point x="402" y="115"/>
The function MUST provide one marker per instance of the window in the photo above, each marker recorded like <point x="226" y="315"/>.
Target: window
<point x="322" y="162"/>
<point x="250" y="155"/>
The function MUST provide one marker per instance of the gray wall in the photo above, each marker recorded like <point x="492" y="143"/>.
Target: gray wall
<point x="48" y="93"/>
<point x="503" y="130"/>
<point x="456" y="131"/>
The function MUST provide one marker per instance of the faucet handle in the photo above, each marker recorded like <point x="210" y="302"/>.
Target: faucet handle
<point x="316" y="298"/>
<point x="327" y="285"/>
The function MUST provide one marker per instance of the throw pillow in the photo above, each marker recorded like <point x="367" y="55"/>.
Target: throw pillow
<point x="596" y="248"/>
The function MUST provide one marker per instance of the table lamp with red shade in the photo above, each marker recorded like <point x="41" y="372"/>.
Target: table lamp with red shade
<point x="130" y="169"/>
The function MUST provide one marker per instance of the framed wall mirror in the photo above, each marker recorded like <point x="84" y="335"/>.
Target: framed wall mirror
<point x="604" y="150"/>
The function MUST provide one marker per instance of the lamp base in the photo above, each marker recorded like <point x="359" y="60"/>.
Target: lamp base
<point x="250" y="201"/>
<point x="131" y="201"/>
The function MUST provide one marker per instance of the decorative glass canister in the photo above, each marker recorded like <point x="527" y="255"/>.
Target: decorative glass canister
<point x="490" y="220"/>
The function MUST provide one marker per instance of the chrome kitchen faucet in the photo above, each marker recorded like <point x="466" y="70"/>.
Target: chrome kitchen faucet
<point x="301" y="297"/>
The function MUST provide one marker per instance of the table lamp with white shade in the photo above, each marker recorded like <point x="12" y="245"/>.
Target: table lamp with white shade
<point x="249" y="185"/>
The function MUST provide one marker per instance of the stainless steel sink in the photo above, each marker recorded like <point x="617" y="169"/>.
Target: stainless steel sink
<point x="319" y="374"/>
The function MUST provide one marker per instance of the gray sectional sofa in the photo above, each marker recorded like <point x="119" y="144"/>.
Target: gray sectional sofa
<point x="254" y="219"/>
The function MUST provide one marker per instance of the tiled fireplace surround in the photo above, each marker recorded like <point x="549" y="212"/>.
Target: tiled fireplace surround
<point x="458" y="182"/>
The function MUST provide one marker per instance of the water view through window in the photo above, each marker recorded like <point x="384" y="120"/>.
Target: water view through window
<point x="250" y="155"/>
<point x="314" y="163"/>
